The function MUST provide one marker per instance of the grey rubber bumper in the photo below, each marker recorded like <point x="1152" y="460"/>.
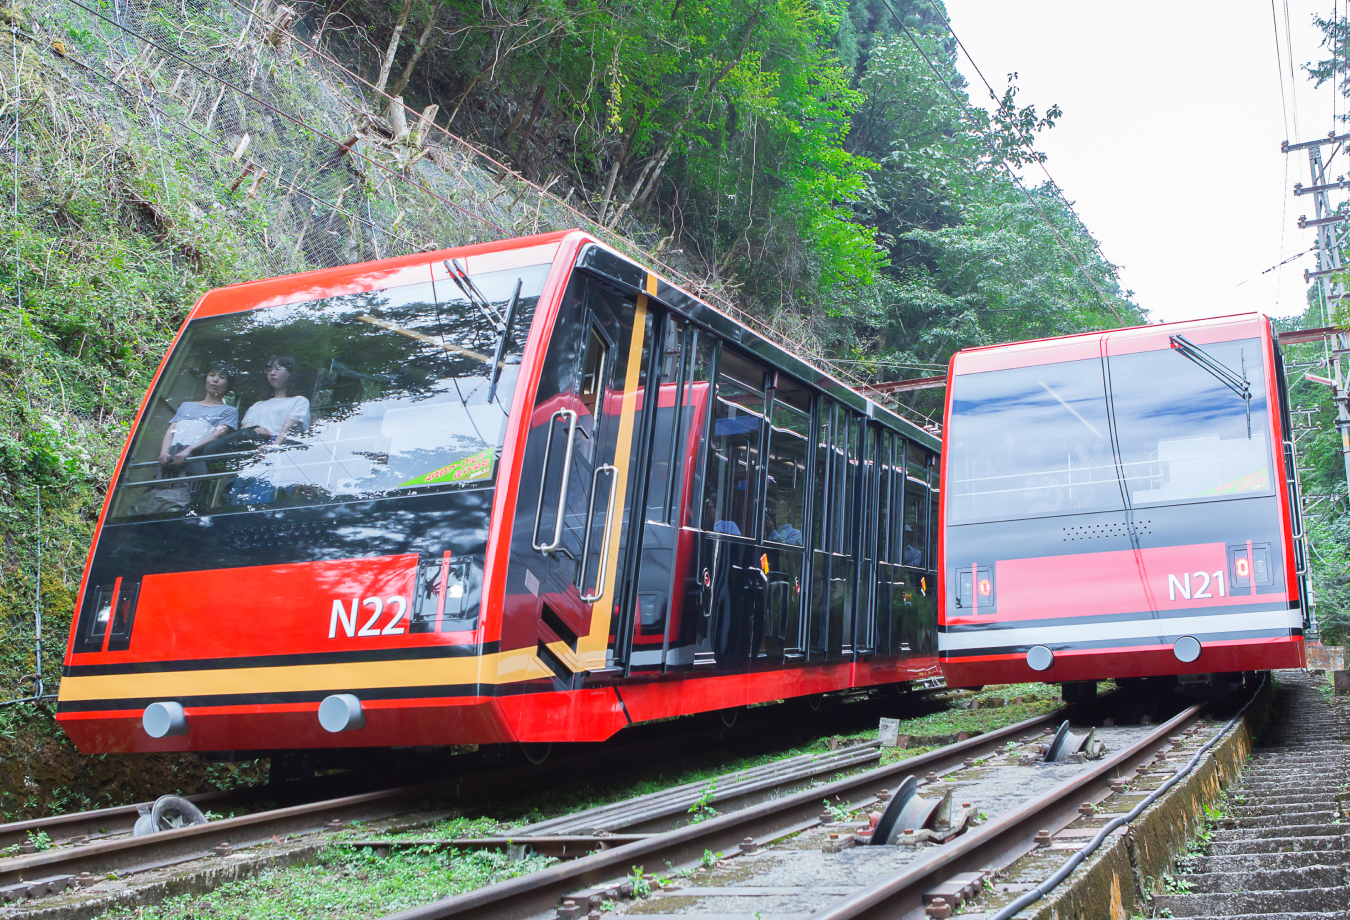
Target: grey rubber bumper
<point x="163" y="720"/>
<point x="341" y="712"/>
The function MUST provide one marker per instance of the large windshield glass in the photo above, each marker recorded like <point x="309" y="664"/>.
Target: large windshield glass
<point x="346" y="398"/>
<point x="1030" y="441"/>
<point x="1184" y="434"/>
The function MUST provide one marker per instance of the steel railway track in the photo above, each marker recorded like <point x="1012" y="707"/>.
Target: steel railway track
<point x="901" y="893"/>
<point x="93" y="844"/>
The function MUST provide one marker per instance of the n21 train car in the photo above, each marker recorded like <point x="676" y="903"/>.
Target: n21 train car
<point x="523" y="491"/>
<point x="1121" y="504"/>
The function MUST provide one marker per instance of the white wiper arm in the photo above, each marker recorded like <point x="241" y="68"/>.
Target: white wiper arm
<point x="1238" y="384"/>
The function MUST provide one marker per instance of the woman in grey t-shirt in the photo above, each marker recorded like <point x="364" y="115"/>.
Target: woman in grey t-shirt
<point x="197" y="424"/>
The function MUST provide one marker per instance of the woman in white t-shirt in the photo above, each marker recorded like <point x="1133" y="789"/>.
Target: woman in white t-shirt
<point x="282" y="413"/>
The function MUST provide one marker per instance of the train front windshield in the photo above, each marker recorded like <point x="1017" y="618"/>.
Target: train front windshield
<point x="389" y="392"/>
<point x="1037" y="441"/>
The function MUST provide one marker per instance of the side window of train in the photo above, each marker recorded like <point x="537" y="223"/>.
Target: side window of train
<point x="703" y="352"/>
<point x="735" y="446"/>
<point x="883" y="518"/>
<point x="786" y="486"/>
<point x="674" y="417"/>
<point x="898" y="492"/>
<point x="914" y="538"/>
<point x="593" y="366"/>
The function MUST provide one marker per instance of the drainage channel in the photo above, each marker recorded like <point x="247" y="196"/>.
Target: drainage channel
<point x="1283" y="848"/>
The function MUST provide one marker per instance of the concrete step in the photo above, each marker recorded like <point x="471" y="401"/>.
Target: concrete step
<point x="1259" y="862"/>
<point x="1326" y="900"/>
<point x="1283" y="830"/>
<point x="1290" y="798"/>
<point x="1325" y="876"/>
<point x="1294" y="779"/>
<point x="1277" y="817"/>
<point x="1255" y="845"/>
<point x="1283" y="915"/>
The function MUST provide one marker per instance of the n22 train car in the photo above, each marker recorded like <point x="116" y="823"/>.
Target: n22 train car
<point x="1121" y="504"/>
<point x="523" y="491"/>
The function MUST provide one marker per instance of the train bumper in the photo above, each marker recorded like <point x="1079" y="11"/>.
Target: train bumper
<point x="1132" y="661"/>
<point x="581" y="715"/>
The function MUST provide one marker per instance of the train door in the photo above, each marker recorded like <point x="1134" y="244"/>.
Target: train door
<point x="786" y="495"/>
<point x="869" y="469"/>
<point x="584" y="499"/>
<point x="673" y="406"/>
<point x="833" y="568"/>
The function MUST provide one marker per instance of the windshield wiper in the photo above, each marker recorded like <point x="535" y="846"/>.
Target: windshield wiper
<point x="1239" y="385"/>
<point x="495" y="373"/>
<point x="474" y="295"/>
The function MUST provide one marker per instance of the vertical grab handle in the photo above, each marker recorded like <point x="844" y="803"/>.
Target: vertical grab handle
<point x="552" y="545"/>
<point x="1296" y="510"/>
<point x="1295" y="498"/>
<point x="604" y="546"/>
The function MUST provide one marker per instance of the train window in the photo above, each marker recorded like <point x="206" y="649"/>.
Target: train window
<point x="671" y="422"/>
<point x="843" y="479"/>
<point x="1028" y="441"/>
<point x="731" y="476"/>
<point x="785" y="501"/>
<point x="826" y="416"/>
<point x="898" y="488"/>
<point x="914" y="536"/>
<point x="388" y="391"/>
<point x="593" y="371"/>
<point x="1183" y="433"/>
<point x="917" y="464"/>
<point x="700" y="384"/>
<point x="884" y="496"/>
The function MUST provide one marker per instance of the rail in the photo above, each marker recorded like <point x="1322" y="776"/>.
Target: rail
<point x="537" y="893"/>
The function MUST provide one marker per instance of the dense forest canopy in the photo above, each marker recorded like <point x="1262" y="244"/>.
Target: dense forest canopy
<point x="821" y="160"/>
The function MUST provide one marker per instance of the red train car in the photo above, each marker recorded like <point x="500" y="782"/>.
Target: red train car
<point x="522" y="491"/>
<point x="1121" y="504"/>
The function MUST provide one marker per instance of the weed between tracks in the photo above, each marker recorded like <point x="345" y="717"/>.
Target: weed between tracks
<point x="350" y="882"/>
<point x="345" y="881"/>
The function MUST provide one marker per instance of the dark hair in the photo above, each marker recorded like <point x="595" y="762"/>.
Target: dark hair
<point x="225" y="370"/>
<point x="283" y="361"/>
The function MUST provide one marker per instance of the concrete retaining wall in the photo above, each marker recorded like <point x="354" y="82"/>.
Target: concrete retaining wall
<point x="1116" y="881"/>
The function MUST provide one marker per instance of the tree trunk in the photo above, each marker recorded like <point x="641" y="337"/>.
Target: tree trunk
<point x="388" y="63"/>
<point x="529" y="125"/>
<point x="423" y="42"/>
<point x="609" y="189"/>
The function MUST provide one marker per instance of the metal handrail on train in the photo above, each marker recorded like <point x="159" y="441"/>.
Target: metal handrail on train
<point x="604" y="546"/>
<point x="552" y="546"/>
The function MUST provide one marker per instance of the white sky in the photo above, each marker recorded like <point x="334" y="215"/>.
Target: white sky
<point x="1169" y="146"/>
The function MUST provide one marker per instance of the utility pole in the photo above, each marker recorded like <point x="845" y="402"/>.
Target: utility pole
<point x="1331" y="288"/>
<point x="1328" y="274"/>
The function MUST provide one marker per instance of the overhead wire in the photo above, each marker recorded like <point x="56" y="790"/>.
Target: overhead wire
<point x="1289" y="60"/>
<point x="1279" y="73"/>
<point x="964" y="104"/>
<point x="1041" y="163"/>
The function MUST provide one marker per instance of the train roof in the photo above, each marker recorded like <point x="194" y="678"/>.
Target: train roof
<point x="595" y="258"/>
<point x="1092" y="344"/>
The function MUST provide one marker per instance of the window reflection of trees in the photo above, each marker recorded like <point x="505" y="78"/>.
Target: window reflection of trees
<point x="365" y="362"/>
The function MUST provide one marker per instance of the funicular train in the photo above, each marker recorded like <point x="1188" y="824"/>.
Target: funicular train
<point x="1121" y="505"/>
<point x="524" y="491"/>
